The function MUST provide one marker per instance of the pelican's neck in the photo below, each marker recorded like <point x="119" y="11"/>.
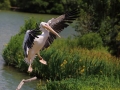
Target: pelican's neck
<point x="45" y="33"/>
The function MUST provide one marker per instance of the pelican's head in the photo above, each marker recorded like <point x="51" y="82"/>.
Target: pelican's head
<point x="45" y="26"/>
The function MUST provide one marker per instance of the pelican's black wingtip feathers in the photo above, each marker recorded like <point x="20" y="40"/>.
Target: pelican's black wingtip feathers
<point x="29" y="40"/>
<point x="61" y="22"/>
<point x="72" y="15"/>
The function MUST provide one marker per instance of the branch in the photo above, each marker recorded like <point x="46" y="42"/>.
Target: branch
<point x="24" y="81"/>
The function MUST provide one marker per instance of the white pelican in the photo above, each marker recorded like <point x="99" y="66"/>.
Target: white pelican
<point x="33" y="42"/>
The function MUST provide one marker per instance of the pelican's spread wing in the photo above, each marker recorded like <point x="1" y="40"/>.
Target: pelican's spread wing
<point x="59" y="23"/>
<point x="29" y="40"/>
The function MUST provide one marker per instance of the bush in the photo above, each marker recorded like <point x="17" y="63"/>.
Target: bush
<point x="90" y="41"/>
<point x="30" y="24"/>
<point x="4" y="4"/>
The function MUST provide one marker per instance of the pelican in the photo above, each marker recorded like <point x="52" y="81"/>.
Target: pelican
<point x="34" y="42"/>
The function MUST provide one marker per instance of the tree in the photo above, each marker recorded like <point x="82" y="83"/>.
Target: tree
<point x="103" y="17"/>
<point x="4" y="4"/>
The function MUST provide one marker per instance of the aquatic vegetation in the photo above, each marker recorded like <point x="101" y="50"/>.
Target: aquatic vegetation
<point x="83" y="83"/>
<point x="63" y="61"/>
<point x="66" y="59"/>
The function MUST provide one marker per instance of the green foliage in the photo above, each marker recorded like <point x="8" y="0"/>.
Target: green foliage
<point x="13" y="52"/>
<point x="44" y="6"/>
<point x="84" y="23"/>
<point x="101" y="16"/>
<point x="65" y="61"/>
<point x="83" y="83"/>
<point x="105" y="30"/>
<point x="58" y="8"/>
<point x="90" y="41"/>
<point x="13" y="2"/>
<point x="40" y="6"/>
<point x="29" y="25"/>
<point x="4" y="4"/>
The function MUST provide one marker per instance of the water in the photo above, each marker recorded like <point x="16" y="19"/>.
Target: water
<point x="10" y="23"/>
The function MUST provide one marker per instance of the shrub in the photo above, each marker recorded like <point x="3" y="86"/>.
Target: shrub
<point x="4" y="4"/>
<point x="90" y="41"/>
<point x="30" y="24"/>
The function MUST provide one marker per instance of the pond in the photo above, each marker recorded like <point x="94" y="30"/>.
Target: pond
<point x="10" y="23"/>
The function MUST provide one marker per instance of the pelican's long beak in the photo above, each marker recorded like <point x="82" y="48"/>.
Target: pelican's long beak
<point x="51" y="30"/>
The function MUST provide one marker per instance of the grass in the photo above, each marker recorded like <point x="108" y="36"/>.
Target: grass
<point x="83" y="83"/>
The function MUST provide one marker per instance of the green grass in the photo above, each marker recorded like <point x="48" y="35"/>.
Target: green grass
<point x="83" y="83"/>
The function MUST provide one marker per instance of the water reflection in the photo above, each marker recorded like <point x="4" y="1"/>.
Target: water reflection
<point x="13" y="78"/>
<point x="10" y="78"/>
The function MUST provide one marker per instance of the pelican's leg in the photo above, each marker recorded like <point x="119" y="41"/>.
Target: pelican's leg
<point x="41" y="59"/>
<point x="30" y="67"/>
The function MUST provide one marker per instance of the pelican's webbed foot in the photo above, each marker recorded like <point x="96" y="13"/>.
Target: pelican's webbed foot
<point x="30" y="69"/>
<point x="43" y="61"/>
